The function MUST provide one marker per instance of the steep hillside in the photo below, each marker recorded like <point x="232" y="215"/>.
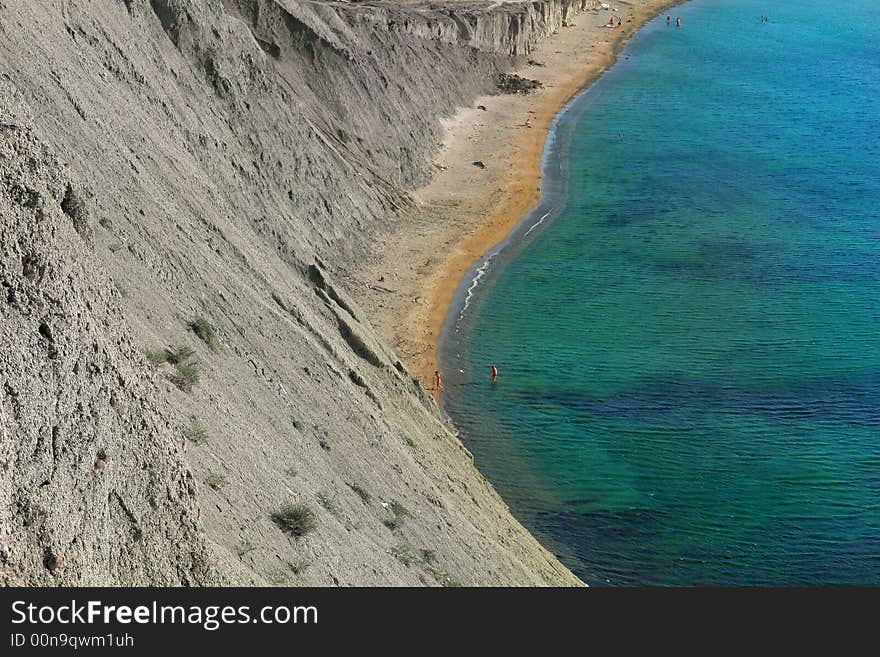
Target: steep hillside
<point x="168" y="161"/>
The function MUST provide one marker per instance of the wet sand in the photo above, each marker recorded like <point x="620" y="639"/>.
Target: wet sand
<point x="465" y="210"/>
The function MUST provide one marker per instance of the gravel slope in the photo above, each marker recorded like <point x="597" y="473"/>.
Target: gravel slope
<point x="170" y="160"/>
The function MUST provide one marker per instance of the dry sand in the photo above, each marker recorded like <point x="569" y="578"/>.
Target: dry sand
<point x="465" y="210"/>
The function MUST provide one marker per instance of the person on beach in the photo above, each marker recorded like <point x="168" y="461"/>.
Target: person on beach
<point x="494" y="374"/>
<point x="438" y="386"/>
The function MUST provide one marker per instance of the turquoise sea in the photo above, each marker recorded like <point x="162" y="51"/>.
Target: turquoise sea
<point x="687" y="329"/>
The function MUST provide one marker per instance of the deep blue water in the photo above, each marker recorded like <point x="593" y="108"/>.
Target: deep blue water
<point x="688" y="344"/>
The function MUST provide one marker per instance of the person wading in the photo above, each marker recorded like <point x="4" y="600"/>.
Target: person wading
<point x="494" y="374"/>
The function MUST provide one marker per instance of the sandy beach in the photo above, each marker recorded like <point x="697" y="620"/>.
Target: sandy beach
<point x="465" y="210"/>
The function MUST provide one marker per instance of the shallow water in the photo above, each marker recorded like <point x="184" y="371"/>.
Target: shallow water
<point x="689" y="387"/>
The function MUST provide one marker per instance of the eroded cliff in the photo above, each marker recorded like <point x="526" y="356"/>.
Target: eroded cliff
<point x="168" y="161"/>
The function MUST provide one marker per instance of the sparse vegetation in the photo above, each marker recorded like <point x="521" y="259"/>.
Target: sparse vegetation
<point x="360" y="492"/>
<point x="404" y="554"/>
<point x="410" y="442"/>
<point x="195" y="433"/>
<point x="447" y="581"/>
<point x="327" y="502"/>
<point x="244" y="547"/>
<point x="186" y="373"/>
<point x="429" y="557"/>
<point x="157" y="357"/>
<point x="324" y="444"/>
<point x="186" y="376"/>
<point x="206" y="332"/>
<point x="400" y="513"/>
<point x="291" y="471"/>
<point x="296" y="423"/>
<point x="299" y="567"/>
<point x="179" y="355"/>
<point x="295" y="519"/>
<point x="344" y="137"/>
<point x="215" y="480"/>
<point x="278" y="576"/>
<point x="407" y="556"/>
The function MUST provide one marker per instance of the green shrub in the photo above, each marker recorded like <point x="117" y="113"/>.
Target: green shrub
<point x="186" y="373"/>
<point x="295" y="519"/>
<point x="360" y="492"/>
<point x="157" y="357"/>
<point x="215" y="481"/>
<point x="206" y="332"/>
<point x="195" y="433"/>
<point x="344" y="137"/>
<point x="410" y="442"/>
<point x="404" y="554"/>
<point x="179" y="355"/>
<point x="400" y="514"/>
<point x="186" y="376"/>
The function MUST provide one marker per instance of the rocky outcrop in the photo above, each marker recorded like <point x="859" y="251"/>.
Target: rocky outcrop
<point x="165" y="161"/>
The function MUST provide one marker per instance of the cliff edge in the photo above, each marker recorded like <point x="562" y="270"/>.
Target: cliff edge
<point x="188" y="396"/>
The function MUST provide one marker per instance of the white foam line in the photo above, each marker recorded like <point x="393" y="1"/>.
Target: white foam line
<point x="548" y="148"/>
<point x="537" y="223"/>
<point x="481" y="271"/>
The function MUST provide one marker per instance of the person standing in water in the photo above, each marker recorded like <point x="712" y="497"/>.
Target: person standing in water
<point x="668" y="19"/>
<point x="677" y="22"/>
<point x="494" y="374"/>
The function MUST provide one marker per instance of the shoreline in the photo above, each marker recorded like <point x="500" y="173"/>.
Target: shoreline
<point x="464" y="211"/>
